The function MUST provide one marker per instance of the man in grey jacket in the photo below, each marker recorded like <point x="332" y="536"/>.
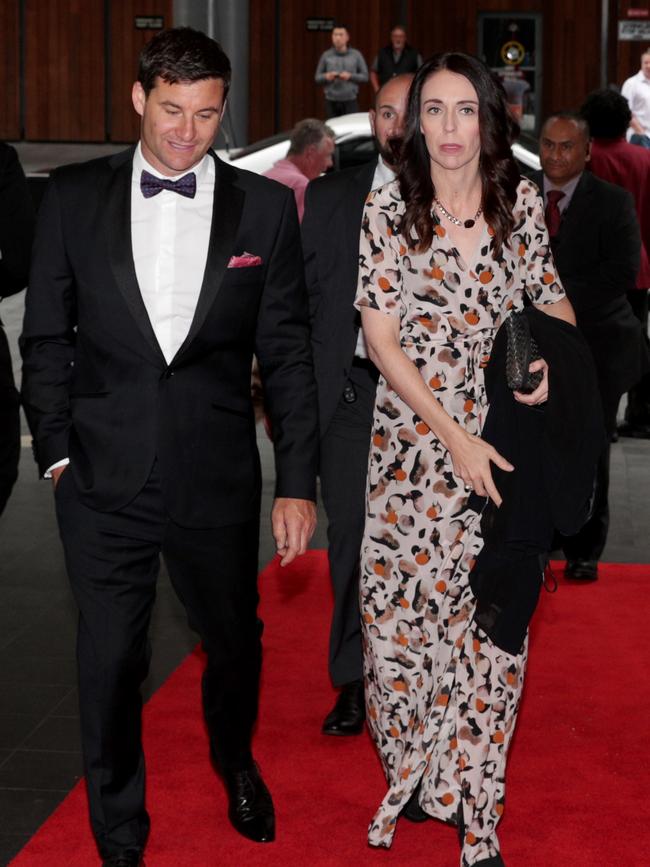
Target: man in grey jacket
<point x="341" y="70"/>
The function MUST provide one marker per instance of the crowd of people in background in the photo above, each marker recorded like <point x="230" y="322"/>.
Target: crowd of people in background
<point x="341" y="69"/>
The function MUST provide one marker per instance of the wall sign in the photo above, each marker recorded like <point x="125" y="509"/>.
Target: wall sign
<point x="320" y="24"/>
<point x="149" y="22"/>
<point x="634" y="31"/>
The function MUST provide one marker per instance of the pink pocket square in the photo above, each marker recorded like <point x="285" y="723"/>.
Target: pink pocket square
<point x="246" y="260"/>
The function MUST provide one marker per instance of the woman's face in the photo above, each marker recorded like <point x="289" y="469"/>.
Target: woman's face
<point x="449" y="120"/>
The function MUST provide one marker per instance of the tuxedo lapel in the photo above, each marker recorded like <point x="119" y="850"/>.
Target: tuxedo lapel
<point x="227" y="208"/>
<point x="120" y="248"/>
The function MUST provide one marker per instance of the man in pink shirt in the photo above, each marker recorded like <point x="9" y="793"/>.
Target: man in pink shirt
<point x="310" y="154"/>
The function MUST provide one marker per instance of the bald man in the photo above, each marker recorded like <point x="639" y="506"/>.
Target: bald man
<point x="346" y="381"/>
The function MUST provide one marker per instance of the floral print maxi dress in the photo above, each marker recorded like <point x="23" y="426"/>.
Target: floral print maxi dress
<point x="442" y="700"/>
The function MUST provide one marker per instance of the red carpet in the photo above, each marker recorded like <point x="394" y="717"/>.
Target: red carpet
<point x="578" y="776"/>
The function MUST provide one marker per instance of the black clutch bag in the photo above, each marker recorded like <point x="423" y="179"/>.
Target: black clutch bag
<point x="520" y="352"/>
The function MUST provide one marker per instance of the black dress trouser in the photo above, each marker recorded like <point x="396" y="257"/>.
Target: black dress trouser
<point x="340" y="107"/>
<point x="343" y="471"/>
<point x="113" y="563"/>
<point x="589" y="542"/>
<point x="9" y="423"/>
<point x="637" y="411"/>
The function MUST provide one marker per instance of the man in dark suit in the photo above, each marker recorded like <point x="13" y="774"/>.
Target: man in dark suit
<point x="346" y="381"/>
<point x="157" y="273"/>
<point x="596" y="244"/>
<point x="16" y="235"/>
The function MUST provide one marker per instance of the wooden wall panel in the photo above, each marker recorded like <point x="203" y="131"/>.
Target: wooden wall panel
<point x="570" y="36"/>
<point x="628" y="54"/>
<point x="9" y="70"/>
<point x="299" y="96"/>
<point x="261" y="72"/>
<point x="571" y="53"/>
<point x="435" y="29"/>
<point x="64" y="70"/>
<point x="126" y="44"/>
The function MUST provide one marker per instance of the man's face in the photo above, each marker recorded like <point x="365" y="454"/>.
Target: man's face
<point x="179" y="122"/>
<point x="340" y="38"/>
<point x="645" y="65"/>
<point x="398" y="39"/>
<point x="389" y="115"/>
<point x="563" y="150"/>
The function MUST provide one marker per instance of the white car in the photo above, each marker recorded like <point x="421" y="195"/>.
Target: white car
<point x="354" y="145"/>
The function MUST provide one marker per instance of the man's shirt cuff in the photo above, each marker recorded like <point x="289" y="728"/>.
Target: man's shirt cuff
<point x="62" y="463"/>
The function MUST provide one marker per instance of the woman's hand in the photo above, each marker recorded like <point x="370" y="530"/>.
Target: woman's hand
<point x="540" y="395"/>
<point x="471" y="457"/>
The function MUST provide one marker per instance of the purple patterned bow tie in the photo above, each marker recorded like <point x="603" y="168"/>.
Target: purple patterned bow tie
<point x="150" y="185"/>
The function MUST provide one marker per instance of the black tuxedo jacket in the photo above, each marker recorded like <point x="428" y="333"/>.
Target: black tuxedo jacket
<point x="331" y="228"/>
<point x="16" y="235"/>
<point x="96" y="386"/>
<point x="597" y="253"/>
<point x="16" y="223"/>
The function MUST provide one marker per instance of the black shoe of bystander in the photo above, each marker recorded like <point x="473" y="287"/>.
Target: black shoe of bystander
<point x="349" y="713"/>
<point x="581" y="570"/>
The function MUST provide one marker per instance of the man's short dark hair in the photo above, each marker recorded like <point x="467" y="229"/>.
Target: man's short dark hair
<point x="182" y="54"/>
<point x="578" y="119"/>
<point x="339" y="26"/>
<point x="607" y="113"/>
<point x="309" y="131"/>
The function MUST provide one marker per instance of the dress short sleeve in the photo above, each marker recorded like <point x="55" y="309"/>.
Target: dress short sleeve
<point x="530" y="236"/>
<point x="380" y="278"/>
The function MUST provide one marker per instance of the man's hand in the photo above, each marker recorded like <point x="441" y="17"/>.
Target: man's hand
<point x="56" y="475"/>
<point x="346" y="76"/>
<point x="330" y="76"/>
<point x="293" y="522"/>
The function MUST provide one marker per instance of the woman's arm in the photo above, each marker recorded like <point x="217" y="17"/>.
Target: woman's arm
<point x="561" y="309"/>
<point x="470" y="454"/>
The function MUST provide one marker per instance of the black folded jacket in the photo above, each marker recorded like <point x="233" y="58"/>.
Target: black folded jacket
<point x="554" y="449"/>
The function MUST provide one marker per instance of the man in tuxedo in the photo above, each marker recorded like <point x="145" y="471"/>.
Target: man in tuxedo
<point x="156" y="275"/>
<point x="596" y="244"/>
<point x="346" y="381"/>
<point x="16" y="235"/>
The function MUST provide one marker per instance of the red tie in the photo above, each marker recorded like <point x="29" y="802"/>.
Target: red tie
<point x="553" y="215"/>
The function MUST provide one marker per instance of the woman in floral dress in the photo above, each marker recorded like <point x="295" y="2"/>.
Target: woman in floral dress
<point x="447" y="251"/>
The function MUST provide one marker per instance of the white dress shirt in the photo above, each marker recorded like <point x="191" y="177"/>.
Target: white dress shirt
<point x="170" y="235"/>
<point x="383" y="175"/>
<point x="637" y="92"/>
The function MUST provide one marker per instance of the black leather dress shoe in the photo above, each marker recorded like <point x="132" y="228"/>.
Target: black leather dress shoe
<point x="413" y="811"/>
<point x="348" y="714"/>
<point x="128" y="858"/>
<point x="581" y="570"/>
<point x="250" y="807"/>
